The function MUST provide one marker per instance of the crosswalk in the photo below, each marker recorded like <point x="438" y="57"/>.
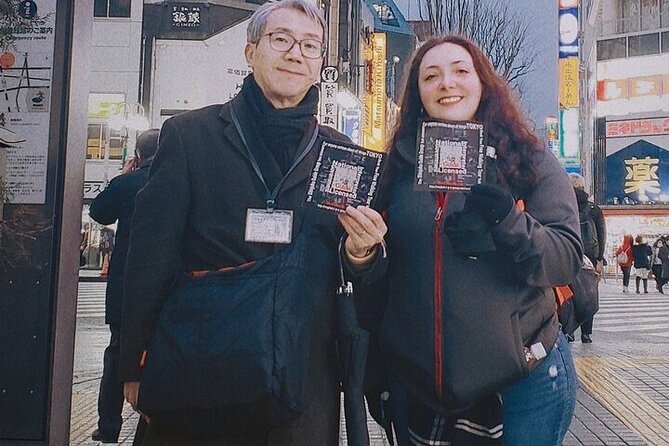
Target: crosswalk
<point x="91" y="299"/>
<point x="619" y="312"/>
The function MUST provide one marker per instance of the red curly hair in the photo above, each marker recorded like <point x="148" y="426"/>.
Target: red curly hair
<point x="507" y="128"/>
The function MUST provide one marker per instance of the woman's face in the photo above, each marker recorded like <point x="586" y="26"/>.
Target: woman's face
<point x="449" y="86"/>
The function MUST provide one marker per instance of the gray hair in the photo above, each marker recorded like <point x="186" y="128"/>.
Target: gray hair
<point x="259" y="18"/>
<point x="577" y="181"/>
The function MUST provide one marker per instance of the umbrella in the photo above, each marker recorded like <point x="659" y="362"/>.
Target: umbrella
<point x="352" y="343"/>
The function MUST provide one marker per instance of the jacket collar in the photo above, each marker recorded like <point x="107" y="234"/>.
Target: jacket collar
<point x="268" y="165"/>
<point x="406" y="148"/>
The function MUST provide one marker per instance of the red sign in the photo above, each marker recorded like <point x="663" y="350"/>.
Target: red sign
<point x="637" y="127"/>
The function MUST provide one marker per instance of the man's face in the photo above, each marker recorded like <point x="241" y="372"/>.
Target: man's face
<point x="285" y="77"/>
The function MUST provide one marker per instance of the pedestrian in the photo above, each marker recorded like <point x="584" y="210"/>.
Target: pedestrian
<point x="593" y="237"/>
<point x="641" y="253"/>
<point x="656" y="265"/>
<point x="107" y="240"/>
<point x="227" y="190"/>
<point x="455" y="291"/>
<point x="663" y="254"/>
<point x="624" y="258"/>
<point x="116" y="203"/>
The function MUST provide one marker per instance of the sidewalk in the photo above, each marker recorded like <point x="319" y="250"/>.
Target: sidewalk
<point x="623" y="398"/>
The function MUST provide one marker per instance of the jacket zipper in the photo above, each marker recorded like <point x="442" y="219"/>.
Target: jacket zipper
<point x="438" y="304"/>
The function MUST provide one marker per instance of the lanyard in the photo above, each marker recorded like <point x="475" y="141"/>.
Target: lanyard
<point x="271" y="196"/>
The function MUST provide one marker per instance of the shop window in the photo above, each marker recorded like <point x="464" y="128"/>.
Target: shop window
<point x="644" y="44"/>
<point x="97" y="141"/>
<point x="665" y="42"/>
<point x="111" y="8"/>
<point x="611" y="49"/>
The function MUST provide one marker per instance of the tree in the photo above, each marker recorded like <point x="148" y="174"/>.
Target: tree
<point x="502" y="34"/>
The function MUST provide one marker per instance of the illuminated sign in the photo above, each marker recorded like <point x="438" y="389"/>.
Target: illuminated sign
<point x="375" y="103"/>
<point x="638" y="173"/>
<point x="568" y="28"/>
<point x="569" y="82"/>
<point x="644" y="86"/>
<point x="637" y="127"/>
<point x="642" y="176"/>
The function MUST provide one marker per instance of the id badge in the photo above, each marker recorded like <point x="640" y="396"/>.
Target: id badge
<point x="264" y="226"/>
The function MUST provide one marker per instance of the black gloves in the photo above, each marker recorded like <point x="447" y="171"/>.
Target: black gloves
<point x="490" y="201"/>
<point x="468" y="233"/>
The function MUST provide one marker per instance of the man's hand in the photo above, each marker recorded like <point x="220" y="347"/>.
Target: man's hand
<point x="130" y="165"/>
<point x="131" y="394"/>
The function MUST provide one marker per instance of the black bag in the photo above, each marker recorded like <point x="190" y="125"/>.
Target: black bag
<point x="589" y="236"/>
<point x="585" y="302"/>
<point x="230" y="352"/>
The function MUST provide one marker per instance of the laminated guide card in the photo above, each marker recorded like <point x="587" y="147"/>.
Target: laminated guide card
<point x="450" y="155"/>
<point x="344" y="175"/>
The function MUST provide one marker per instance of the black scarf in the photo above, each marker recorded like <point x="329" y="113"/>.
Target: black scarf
<point x="281" y="129"/>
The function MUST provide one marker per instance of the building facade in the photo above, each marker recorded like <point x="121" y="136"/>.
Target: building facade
<point x="631" y="131"/>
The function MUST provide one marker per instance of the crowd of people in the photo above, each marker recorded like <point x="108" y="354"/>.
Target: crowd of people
<point x="642" y="261"/>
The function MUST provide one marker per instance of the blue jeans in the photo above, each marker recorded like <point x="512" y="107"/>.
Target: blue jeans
<point x="539" y="408"/>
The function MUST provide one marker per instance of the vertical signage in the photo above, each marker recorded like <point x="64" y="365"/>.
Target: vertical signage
<point x="329" y="90"/>
<point x="569" y="143"/>
<point x="376" y="100"/>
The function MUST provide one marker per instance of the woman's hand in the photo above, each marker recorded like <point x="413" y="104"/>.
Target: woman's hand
<point x="365" y="228"/>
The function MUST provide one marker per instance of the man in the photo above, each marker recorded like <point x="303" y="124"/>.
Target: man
<point x="117" y="202"/>
<point x="216" y="165"/>
<point x="593" y="237"/>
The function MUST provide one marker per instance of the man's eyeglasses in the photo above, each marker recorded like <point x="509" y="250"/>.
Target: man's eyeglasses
<point x="310" y="48"/>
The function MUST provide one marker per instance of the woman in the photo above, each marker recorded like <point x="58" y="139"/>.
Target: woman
<point x="641" y="253"/>
<point x="624" y="258"/>
<point x="656" y="265"/>
<point x="494" y="256"/>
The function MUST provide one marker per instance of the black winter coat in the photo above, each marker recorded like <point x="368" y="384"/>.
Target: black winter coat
<point x="191" y="217"/>
<point x="534" y="251"/>
<point x="117" y="202"/>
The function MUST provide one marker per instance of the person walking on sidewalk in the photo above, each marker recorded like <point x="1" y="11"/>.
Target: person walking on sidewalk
<point x="641" y="253"/>
<point x="624" y="259"/>
<point x="593" y="237"/>
<point x="461" y="263"/>
<point x="117" y="203"/>
<point x="656" y="265"/>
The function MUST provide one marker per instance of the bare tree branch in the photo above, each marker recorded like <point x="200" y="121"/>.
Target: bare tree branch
<point x="503" y="35"/>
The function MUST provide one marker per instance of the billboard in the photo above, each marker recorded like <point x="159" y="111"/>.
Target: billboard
<point x="637" y="161"/>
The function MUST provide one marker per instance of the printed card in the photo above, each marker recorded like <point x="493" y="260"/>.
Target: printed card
<point x="344" y="175"/>
<point x="450" y="155"/>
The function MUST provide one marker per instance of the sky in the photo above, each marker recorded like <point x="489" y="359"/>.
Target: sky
<point x="540" y="86"/>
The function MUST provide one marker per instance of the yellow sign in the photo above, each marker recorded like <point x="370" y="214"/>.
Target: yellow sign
<point x="375" y="103"/>
<point x="569" y="82"/>
<point x="642" y="175"/>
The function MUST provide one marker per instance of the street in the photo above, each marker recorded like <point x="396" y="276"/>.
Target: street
<point x="624" y="373"/>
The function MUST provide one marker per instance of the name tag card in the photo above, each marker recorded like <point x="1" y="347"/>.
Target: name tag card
<point x="265" y="226"/>
<point x="344" y="175"/>
<point x="450" y="155"/>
